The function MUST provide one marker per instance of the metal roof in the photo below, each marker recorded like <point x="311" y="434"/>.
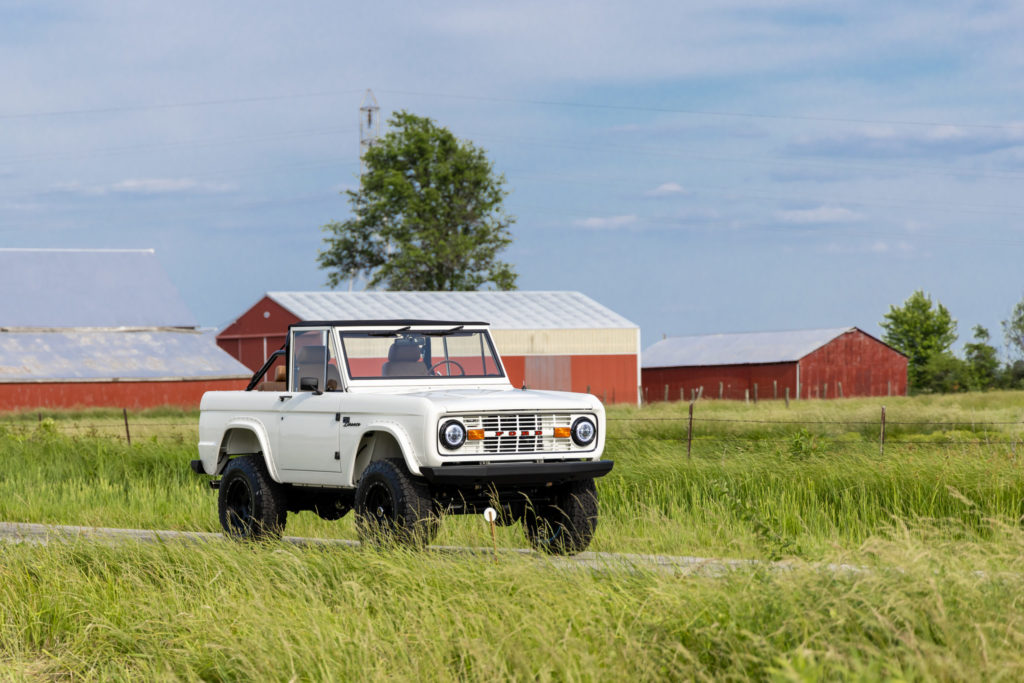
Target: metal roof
<point x="150" y="354"/>
<point x="405" y="322"/>
<point x="516" y="310"/>
<point x="88" y="288"/>
<point x="738" y="349"/>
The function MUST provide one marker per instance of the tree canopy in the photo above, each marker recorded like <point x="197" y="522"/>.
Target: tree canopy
<point x="1013" y="329"/>
<point x="428" y="215"/>
<point x="921" y="331"/>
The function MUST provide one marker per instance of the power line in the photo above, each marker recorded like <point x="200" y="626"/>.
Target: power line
<point x="699" y="112"/>
<point x="173" y="105"/>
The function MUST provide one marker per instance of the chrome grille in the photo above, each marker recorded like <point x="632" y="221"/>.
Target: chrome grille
<point x="514" y="433"/>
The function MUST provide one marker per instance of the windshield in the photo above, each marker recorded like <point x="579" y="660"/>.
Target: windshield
<point x="421" y="354"/>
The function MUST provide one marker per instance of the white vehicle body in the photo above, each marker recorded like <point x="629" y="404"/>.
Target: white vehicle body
<point x="327" y="438"/>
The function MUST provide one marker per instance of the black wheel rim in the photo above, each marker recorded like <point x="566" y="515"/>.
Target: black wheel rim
<point x="380" y="506"/>
<point x="239" y="506"/>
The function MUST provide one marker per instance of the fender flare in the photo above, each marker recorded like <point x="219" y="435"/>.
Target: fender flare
<point x="405" y="442"/>
<point x="257" y="429"/>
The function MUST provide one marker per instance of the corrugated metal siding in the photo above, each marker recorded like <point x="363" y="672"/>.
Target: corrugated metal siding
<point x="88" y="288"/>
<point x="735" y="381"/>
<point x="108" y="354"/>
<point x="518" y="310"/>
<point x="131" y="395"/>
<point x="862" y="364"/>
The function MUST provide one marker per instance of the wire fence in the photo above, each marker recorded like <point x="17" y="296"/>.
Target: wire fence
<point x="687" y="429"/>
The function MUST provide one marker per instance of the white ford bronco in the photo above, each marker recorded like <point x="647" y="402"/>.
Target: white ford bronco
<point x="403" y="421"/>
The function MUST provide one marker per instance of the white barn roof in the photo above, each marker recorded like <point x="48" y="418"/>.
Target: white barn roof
<point x="738" y="349"/>
<point x="516" y="310"/>
<point x="90" y="355"/>
<point x="88" y="288"/>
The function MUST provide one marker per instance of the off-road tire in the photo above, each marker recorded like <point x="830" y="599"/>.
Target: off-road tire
<point x="393" y="508"/>
<point x="250" y="503"/>
<point x="565" y="526"/>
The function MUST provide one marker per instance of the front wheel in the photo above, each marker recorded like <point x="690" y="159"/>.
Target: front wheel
<point x="251" y="504"/>
<point x="565" y="526"/>
<point x="391" y="507"/>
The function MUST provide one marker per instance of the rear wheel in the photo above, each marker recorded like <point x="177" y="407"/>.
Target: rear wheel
<point x="392" y="507"/>
<point x="566" y="525"/>
<point x="251" y="504"/>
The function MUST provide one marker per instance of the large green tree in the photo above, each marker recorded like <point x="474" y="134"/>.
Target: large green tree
<point x="920" y="330"/>
<point x="428" y="215"/>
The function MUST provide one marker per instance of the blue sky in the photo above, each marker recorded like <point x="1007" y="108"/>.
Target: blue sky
<point x="697" y="167"/>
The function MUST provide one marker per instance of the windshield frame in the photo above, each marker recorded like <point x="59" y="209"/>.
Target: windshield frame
<point x="434" y="334"/>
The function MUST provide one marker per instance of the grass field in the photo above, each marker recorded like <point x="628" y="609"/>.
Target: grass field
<point x="934" y="523"/>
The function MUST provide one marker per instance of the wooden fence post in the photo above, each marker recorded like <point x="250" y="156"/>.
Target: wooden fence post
<point x="666" y="393"/>
<point x="755" y="393"/>
<point x="721" y="389"/>
<point x="775" y="388"/>
<point x="881" y="435"/>
<point x="840" y="385"/>
<point x="689" y="433"/>
<point x="787" y="397"/>
<point x="127" y="434"/>
<point x="746" y="395"/>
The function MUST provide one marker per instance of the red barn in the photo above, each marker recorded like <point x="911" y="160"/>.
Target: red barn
<point x="830" y="363"/>
<point x="548" y="340"/>
<point x="101" y="327"/>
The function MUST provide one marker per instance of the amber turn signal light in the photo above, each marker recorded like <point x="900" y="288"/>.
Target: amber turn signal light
<point x="475" y="435"/>
<point x="563" y="432"/>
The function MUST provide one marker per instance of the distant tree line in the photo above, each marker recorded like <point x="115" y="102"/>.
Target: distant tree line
<point x="925" y="331"/>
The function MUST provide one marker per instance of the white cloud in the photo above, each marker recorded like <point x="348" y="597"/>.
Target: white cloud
<point x="822" y="214"/>
<point x="166" y="186"/>
<point x="667" y="190"/>
<point x="142" y="186"/>
<point x="606" y="222"/>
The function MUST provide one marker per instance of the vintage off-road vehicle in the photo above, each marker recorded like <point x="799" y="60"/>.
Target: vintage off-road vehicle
<point x="403" y="421"/>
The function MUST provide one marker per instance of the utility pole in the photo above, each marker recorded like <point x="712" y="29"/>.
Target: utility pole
<point x="369" y="132"/>
<point x="369" y="126"/>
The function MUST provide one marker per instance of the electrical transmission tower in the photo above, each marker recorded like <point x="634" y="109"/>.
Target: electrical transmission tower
<point x="369" y="126"/>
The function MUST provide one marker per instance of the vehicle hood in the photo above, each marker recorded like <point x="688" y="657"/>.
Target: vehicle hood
<point x="485" y="400"/>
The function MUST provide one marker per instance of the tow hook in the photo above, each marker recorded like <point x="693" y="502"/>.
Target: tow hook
<point x="215" y="484"/>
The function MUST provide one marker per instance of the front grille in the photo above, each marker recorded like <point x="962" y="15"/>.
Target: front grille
<point x="514" y="433"/>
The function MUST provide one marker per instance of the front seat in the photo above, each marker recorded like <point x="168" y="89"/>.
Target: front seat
<point x="404" y="361"/>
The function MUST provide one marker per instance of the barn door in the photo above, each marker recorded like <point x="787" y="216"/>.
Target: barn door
<point x="549" y="372"/>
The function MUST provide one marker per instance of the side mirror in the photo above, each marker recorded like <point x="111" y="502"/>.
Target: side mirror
<point x="309" y="384"/>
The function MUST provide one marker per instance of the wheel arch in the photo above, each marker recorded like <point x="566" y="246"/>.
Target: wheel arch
<point x="384" y="441"/>
<point x="246" y="437"/>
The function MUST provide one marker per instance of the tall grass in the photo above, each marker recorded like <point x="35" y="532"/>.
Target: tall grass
<point x="758" y="487"/>
<point x="225" y="611"/>
<point x="930" y="532"/>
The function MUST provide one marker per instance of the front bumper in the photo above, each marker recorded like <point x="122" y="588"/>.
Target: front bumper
<point x="516" y="473"/>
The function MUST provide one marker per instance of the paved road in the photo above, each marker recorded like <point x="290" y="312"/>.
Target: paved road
<point x="671" y="564"/>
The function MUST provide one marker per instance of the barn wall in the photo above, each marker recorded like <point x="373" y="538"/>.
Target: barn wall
<point x="612" y="378"/>
<point x="864" y="366"/>
<point x="131" y="395"/>
<point x="735" y="380"/>
<point x="257" y="333"/>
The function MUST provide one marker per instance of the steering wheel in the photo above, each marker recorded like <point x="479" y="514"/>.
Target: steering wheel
<point x="449" y="363"/>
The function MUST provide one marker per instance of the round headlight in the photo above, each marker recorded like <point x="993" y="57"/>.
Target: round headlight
<point x="452" y="434"/>
<point x="583" y="431"/>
